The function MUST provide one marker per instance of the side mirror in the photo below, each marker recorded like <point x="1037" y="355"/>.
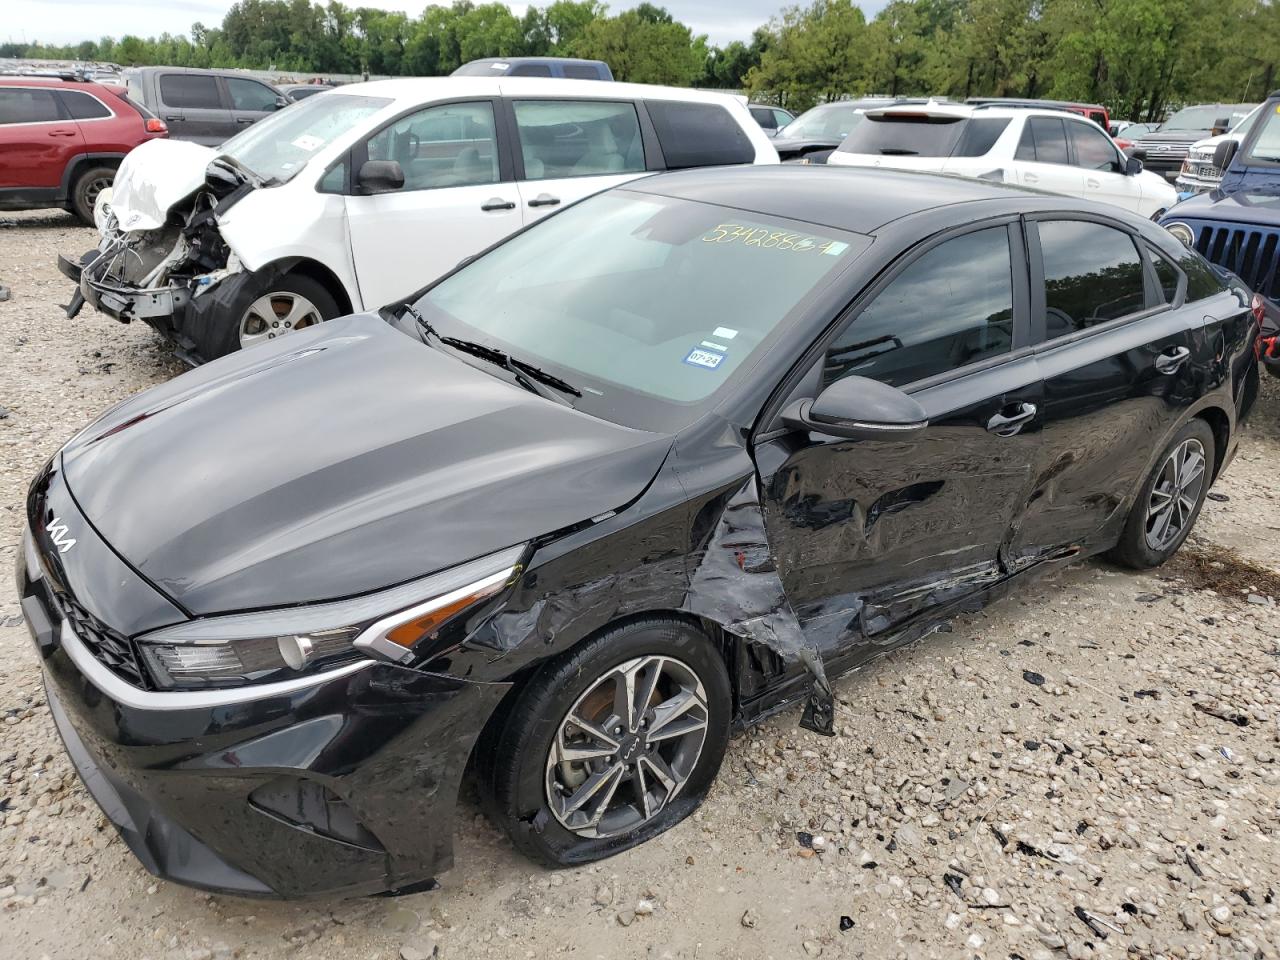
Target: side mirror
<point x="380" y="176"/>
<point x="1136" y="151"/>
<point x="861" y="409"/>
<point x="1224" y="153"/>
<point x="1221" y="125"/>
<point x="281" y="102"/>
<point x="1132" y="166"/>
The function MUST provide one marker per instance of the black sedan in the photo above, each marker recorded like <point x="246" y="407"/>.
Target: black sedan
<point x="645" y="472"/>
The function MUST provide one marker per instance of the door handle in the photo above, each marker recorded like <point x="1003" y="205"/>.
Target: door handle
<point x="544" y="200"/>
<point x="1093" y="184"/>
<point x="1171" y="360"/>
<point x="245" y="119"/>
<point x="173" y="116"/>
<point x="62" y="133"/>
<point x="497" y="203"/>
<point x="1030" y="178"/>
<point x="1006" y="426"/>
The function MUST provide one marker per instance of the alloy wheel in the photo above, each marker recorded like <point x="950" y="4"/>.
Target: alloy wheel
<point x="95" y="187"/>
<point x="1175" y="494"/>
<point x="274" y="315"/>
<point x="626" y="747"/>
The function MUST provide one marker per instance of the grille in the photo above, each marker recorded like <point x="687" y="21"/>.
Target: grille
<point x="112" y="649"/>
<point x="1250" y="253"/>
<point x="1201" y="169"/>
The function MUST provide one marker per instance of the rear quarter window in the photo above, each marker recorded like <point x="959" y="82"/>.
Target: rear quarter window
<point x="81" y="106"/>
<point x="980" y="135"/>
<point x="1202" y="282"/>
<point x="699" y="135"/>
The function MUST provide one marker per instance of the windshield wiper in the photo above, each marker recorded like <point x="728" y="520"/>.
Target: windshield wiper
<point x="898" y="152"/>
<point x="425" y="329"/>
<point x="524" y="373"/>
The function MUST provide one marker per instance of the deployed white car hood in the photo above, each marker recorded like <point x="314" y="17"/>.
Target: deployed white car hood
<point x="153" y="177"/>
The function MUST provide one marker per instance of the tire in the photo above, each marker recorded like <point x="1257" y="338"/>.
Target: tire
<point x="1146" y="542"/>
<point x="84" y="192"/>
<point x="262" y="303"/>
<point x="519" y="776"/>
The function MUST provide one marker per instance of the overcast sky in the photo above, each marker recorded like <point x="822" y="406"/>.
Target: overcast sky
<point x="63" y="21"/>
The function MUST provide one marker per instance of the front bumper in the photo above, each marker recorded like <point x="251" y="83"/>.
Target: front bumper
<point x="343" y="787"/>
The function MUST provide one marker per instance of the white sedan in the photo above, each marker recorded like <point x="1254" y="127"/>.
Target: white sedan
<point x="1051" y="150"/>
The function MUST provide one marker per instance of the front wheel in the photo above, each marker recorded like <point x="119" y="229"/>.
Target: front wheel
<point x="267" y="311"/>
<point x="611" y="744"/>
<point x="1167" y="506"/>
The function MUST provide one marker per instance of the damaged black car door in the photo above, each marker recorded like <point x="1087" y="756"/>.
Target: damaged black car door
<point x="872" y="530"/>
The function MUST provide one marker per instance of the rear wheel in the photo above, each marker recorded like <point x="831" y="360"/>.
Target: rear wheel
<point x="612" y="744"/>
<point x="84" y="192"/>
<point x="1169" y="503"/>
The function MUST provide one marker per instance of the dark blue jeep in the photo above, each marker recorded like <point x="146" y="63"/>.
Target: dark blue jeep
<point x="1237" y="226"/>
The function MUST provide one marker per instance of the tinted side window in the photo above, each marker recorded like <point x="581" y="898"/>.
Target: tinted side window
<point x="251" y="95"/>
<point x="1050" y="139"/>
<point x="980" y="135"/>
<point x="27" y="106"/>
<point x="1166" y="273"/>
<point x="951" y="307"/>
<point x="1026" y="145"/>
<point x="578" y="138"/>
<point x="81" y="106"/>
<point x="1201" y="280"/>
<point x="764" y="117"/>
<point x="530" y="70"/>
<point x="1092" y="274"/>
<point x="581" y="71"/>
<point x="1093" y="148"/>
<point x="699" y="135"/>
<point x="453" y="145"/>
<point x="190" y="90"/>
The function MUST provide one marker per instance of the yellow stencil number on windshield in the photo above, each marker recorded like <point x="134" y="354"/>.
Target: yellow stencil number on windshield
<point x="763" y="238"/>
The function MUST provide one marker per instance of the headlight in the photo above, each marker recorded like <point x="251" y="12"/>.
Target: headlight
<point x="1183" y="232"/>
<point x="397" y="624"/>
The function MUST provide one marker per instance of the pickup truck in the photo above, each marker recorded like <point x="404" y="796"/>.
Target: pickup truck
<point x="1236" y="226"/>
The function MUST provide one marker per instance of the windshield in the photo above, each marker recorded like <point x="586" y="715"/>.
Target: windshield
<point x="647" y="305"/>
<point x="278" y="146"/>
<point x="1266" y="144"/>
<point x="831" y="121"/>
<point x="1241" y="126"/>
<point x="1204" y="118"/>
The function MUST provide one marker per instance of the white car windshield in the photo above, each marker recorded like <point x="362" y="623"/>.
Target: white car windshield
<point x="648" y="305"/>
<point x="277" y="147"/>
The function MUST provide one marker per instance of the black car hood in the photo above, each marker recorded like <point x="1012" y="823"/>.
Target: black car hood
<point x="337" y="462"/>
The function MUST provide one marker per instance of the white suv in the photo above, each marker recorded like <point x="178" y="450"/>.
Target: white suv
<point x="361" y="195"/>
<point x="1050" y="150"/>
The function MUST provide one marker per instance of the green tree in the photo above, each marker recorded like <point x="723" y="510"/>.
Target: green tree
<point x="643" y="50"/>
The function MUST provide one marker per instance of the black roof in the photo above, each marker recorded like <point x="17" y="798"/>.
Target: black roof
<point x="857" y="199"/>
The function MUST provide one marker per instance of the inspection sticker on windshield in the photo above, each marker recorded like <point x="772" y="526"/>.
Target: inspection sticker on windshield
<point x="725" y="333"/>
<point x="308" y="142"/>
<point x="834" y="248"/>
<point x="704" y="358"/>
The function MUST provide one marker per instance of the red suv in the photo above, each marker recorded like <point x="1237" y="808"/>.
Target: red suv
<point x="62" y="140"/>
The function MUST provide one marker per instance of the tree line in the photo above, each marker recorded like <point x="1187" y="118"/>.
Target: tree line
<point x="1140" y="57"/>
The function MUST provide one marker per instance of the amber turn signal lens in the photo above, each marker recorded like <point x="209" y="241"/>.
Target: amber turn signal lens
<point x="411" y="631"/>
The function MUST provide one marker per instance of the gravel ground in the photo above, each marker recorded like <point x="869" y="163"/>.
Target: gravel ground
<point x="1088" y="769"/>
